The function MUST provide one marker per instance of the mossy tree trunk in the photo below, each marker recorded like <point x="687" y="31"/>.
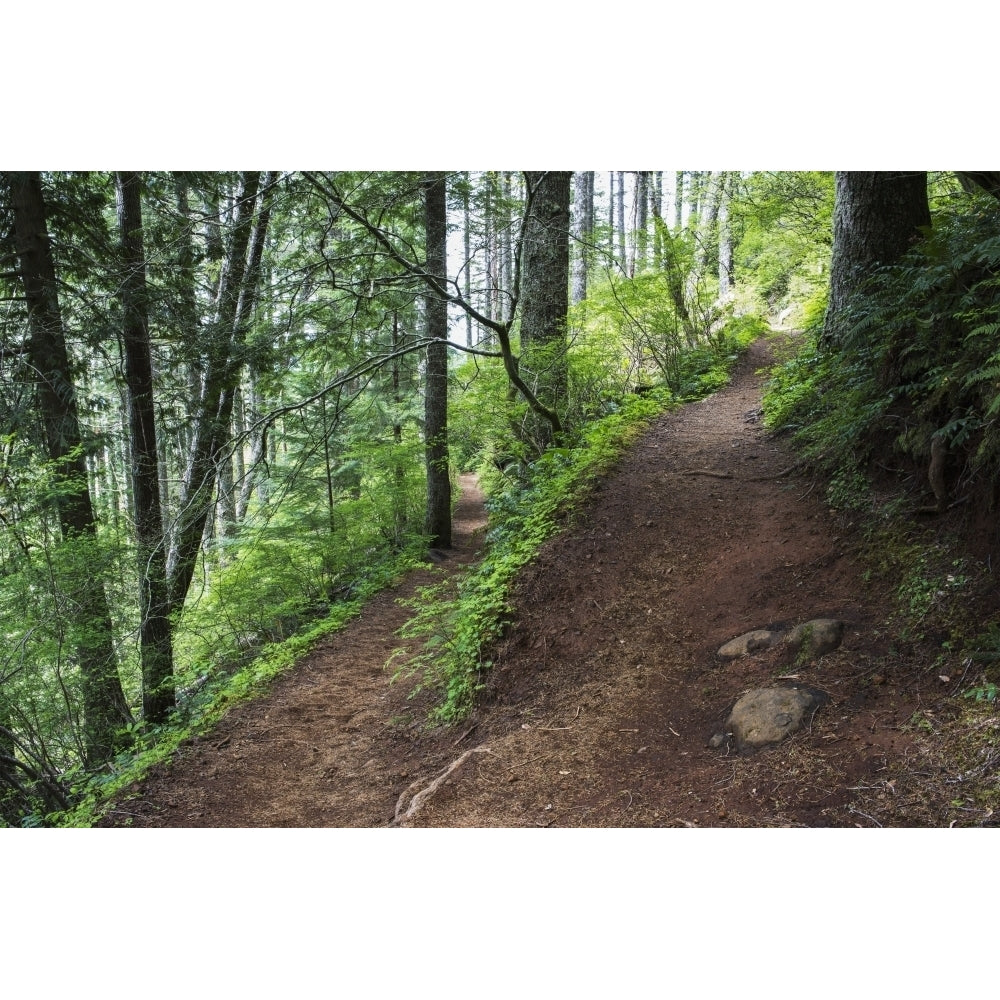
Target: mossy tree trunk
<point x="545" y="291"/>
<point x="438" y="517"/>
<point x="105" y="709"/>
<point x="877" y="216"/>
<point x="155" y="645"/>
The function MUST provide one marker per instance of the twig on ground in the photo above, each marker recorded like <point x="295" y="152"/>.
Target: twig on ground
<point x="530" y="760"/>
<point x="858" y="812"/>
<point x="419" y="800"/>
<point x="466" y="733"/>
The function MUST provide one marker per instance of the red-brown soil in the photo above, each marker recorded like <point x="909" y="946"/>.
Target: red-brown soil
<point x="607" y="688"/>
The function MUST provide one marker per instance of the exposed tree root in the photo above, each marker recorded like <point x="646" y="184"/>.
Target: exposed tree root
<point x="742" y="479"/>
<point x="420" y="799"/>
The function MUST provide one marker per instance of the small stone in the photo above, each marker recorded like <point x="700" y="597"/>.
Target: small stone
<point x="768" y="715"/>
<point x="815" y="638"/>
<point x="717" y="740"/>
<point x="749" y="642"/>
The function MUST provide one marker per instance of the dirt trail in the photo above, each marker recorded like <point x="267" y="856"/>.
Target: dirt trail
<point x="607" y="688"/>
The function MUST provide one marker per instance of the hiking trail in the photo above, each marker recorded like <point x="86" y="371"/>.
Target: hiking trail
<point x="608" y="690"/>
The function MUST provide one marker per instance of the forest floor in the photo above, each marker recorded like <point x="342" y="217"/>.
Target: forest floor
<point x="607" y="687"/>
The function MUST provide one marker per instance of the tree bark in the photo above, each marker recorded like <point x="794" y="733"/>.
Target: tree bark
<point x="656" y="205"/>
<point x="214" y="407"/>
<point x="467" y="241"/>
<point x="545" y="290"/>
<point x="620" y="209"/>
<point x="725" y="238"/>
<point x="708" y="230"/>
<point x="611" y="215"/>
<point x="986" y="180"/>
<point x="506" y="249"/>
<point x="105" y="709"/>
<point x="155" y="644"/>
<point x="438" y="518"/>
<point x="640" y="204"/>
<point x="583" y="224"/>
<point x="877" y="216"/>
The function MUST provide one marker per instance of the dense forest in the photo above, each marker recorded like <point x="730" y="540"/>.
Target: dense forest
<point x="234" y="404"/>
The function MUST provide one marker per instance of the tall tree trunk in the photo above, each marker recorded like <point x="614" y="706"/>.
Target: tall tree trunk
<point x="657" y="211"/>
<point x="155" y="645"/>
<point x="708" y="233"/>
<point x="506" y="248"/>
<point x="398" y="470"/>
<point x="438" y="519"/>
<point x="620" y="205"/>
<point x="488" y="262"/>
<point x="678" y="200"/>
<point x="467" y="239"/>
<point x="214" y="408"/>
<point x="639" y="215"/>
<point x="877" y="216"/>
<point x="583" y="214"/>
<point x="104" y="707"/>
<point x="545" y="290"/>
<point x="725" y="238"/>
<point x="611" y="215"/>
<point x="250" y="476"/>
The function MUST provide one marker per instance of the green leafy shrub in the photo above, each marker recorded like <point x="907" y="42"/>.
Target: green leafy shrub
<point x="458" y="623"/>
<point x="919" y="359"/>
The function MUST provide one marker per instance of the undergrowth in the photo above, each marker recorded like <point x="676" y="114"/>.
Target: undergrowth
<point x="900" y="412"/>
<point x="917" y="357"/>
<point x="458" y="623"/>
<point x="203" y="709"/>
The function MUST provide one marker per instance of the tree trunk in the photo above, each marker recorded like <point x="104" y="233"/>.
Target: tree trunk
<point x="620" y="206"/>
<point x="506" y="247"/>
<point x="438" y="519"/>
<point x="214" y="408"/>
<point x="488" y="248"/>
<point x="104" y="707"/>
<point x="678" y="200"/>
<point x="657" y="210"/>
<point x="640" y="217"/>
<point x="611" y="215"/>
<point x="694" y="198"/>
<point x="583" y="215"/>
<point x="545" y="290"/>
<point x="725" y="238"/>
<point x="155" y="646"/>
<point x="467" y="240"/>
<point x="708" y="232"/>
<point x="877" y="216"/>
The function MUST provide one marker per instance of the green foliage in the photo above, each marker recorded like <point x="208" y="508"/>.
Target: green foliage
<point x="458" y="623"/>
<point x="654" y="318"/>
<point x="784" y="224"/>
<point x="209" y="703"/>
<point x="919" y="359"/>
<point x="985" y="692"/>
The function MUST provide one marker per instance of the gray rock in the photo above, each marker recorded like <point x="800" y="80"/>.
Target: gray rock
<point x="815" y="638"/>
<point x="768" y="715"/>
<point x="750" y="642"/>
